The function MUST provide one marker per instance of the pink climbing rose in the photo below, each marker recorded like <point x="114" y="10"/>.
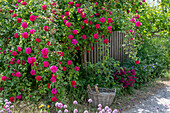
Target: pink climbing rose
<point x="25" y="35"/>
<point x="74" y="41"/>
<point x="46" y="64"/>
<point x="28" y="50"/>
<point x="24" y="25"/>
<point x="53" y="69"/>
<point x="138" y="24"/>
<point x="45" y="51"/>
<point x="102" y="20"/>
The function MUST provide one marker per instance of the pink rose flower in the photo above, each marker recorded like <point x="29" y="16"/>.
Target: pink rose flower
<point x="53" y="79"/>
<point x="102" y="20"/>
<point x="14" y="15"/>
<point x="69" y="62"/>
<point x="74" y="41"/>
<point x="84" y="37"/>
<point x="53" y="69"/>
<point x="96" y="36"/>
<point x="54" y="91"/>
<point x="38" y="39"/>
<point x="106" y="41"/>
<point x="18" y="74"/>
<point x="46" y="64"/>
<point x="85" y="21"/>
<point x="132" y="31"/>
<point x="16" y="35"/>
<point x="4" y="78"/>
<point x="97" y="26"/>
<point x="31" y="60"/>
<point x="62" y="54"/>
<point x="24" y="3"/>
<point x="25" y="35"/>
<point x="66" y="13"/>
<point x="76" y="68"/>
<point x="38" y="78"/>
<point x="19" y="1"/>
<point x="70" y="37"/>
<point x="44" y="7"/>
<point x="46" y="28"/>
<point x="68" y="24"/>
<point x="14" y="53"/>
<point x="28" y="50"/>
<point x="80" y="10"/>
<point x="32" y="31"/>
<point x="44" y="56"/>
<point x="132" y="20"/>
<point x="24" y="25"/>
<point x="83" y="15"/>
<point x="109" y="20"/>
<point x="77" y="5"/>
<point x="109" y="27"/>
<point x="18" y="61"/>
<point x="45" y="51"/>
<point x="32" y="18"/>
<point x="74" y="32"/>
<point x="138" y="24"/>
<point x="32" y="72"/>
<point x="19" y="49"/>
<point x="90" y="22"/>
<point x="19" y="20"/>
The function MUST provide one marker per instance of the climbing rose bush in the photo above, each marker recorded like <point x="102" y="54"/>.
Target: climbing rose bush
<point x="39" y="56"/>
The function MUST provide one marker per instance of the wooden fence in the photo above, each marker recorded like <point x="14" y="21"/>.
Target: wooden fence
<point x="116" y="50"/>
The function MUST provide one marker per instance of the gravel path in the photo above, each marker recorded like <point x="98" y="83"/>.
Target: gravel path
<point x="158" y="103"/>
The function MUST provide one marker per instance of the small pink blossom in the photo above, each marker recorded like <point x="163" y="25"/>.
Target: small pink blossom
<point x="25" y="35"/>
<point x="69" y="62"/>
<point x="45" y="51"/>
<point x="132" y="20"/>
<point x="19" y="20"/>
<point x="24" y="25"/>
<point x="16" y="35"/>
<point x="19" y="49"/>
<point x="74" y="41"/>
<point x="138" y="24"/>
<point x="68" y="24"/>
<point x="32" y="31"/>
<point x="14" y="53"/>
<point x="53" y="69"/>
<point x="44" y="7"/>
<point x="14" y="15"/>
<point x="109" y="27"/>
<point x="18" y="61"/>
<point x="70" y="37"/>
<point x="46" y="64"/>
<point x="24" y="3"/>
<point x="28" y="50"/>
<point x="53" y="79"/>
<point x="32" y="72"/>
<point x="76" y="68"/>
<point x="32" y="18"/>
<point x="18" y="74"/>
<point x="84" y="37"/>
<point x="74" y="32"/>
<point x="102" y="20"/>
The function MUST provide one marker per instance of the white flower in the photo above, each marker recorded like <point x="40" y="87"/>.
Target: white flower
<point x="90" y="100"/>
<point x="75" y="102"/>
<point x="99" y="105"/>
<point x="86" y="111"/>
<point x="65" y="111"/>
